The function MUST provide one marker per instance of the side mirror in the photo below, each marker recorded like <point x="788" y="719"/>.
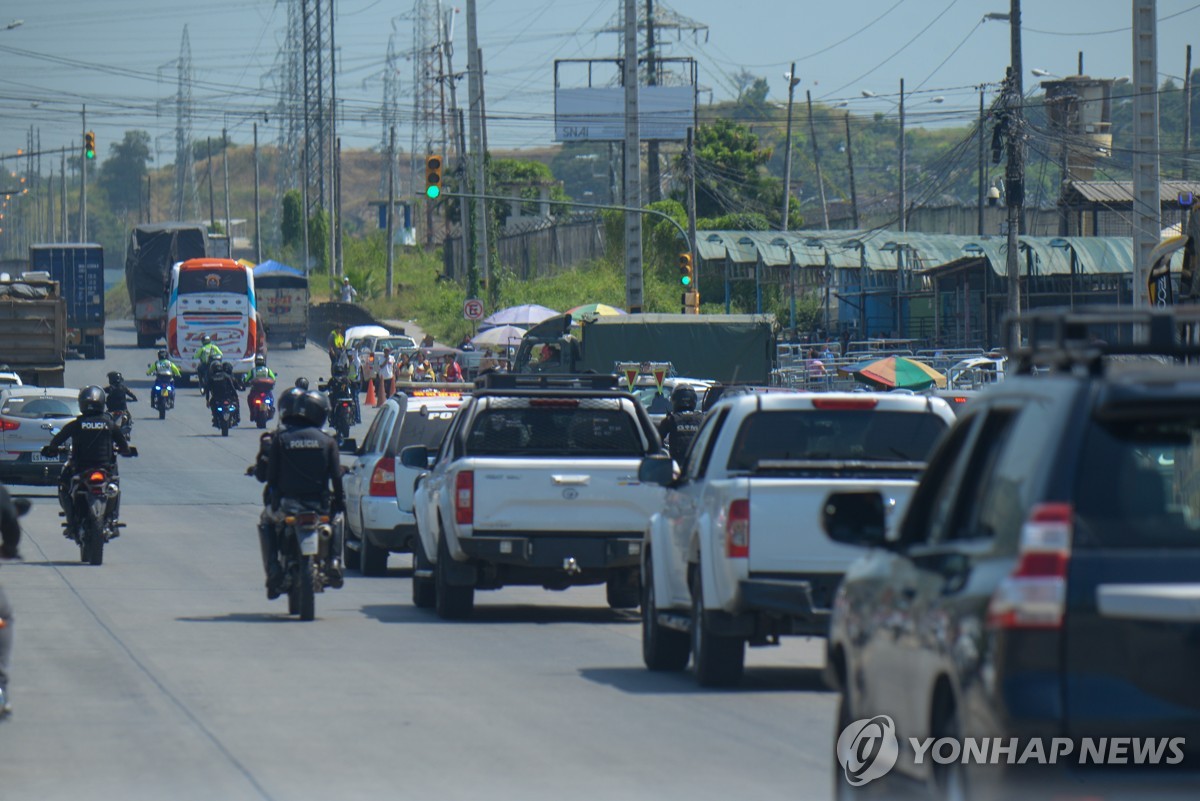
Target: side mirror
<point x="657" y="469"/>
<point x="349" y="445"/>
<point x="23" y="505"/>
<point x="856" y="518"/>
<point x="415" y="456"/>
<point x="133" y="451"/>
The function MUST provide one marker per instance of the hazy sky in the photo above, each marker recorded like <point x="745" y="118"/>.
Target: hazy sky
<point x="940" y="47"/>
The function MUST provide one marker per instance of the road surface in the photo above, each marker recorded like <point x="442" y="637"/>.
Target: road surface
<point x="166" y="674"/>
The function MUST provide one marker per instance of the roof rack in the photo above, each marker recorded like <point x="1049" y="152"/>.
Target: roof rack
<point x="546" y="381"/>
<point x="1060" y="338"/>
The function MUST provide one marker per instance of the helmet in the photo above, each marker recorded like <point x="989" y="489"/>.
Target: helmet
<point x="206" y="339"/>
<point x="227" y="367"/>
<point x="91" y="400"/>
<point x="311" y="408"/>
<point x="162" y="354"/>
<point x="114" y="377"/>
<point x="260" y="360"/>
<point x="683" y="399"/>
<point x="302" y="383"/>
<point x="287" y="401"/>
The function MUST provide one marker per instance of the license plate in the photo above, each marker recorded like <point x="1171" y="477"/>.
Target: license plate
<point x="37" y="457"/>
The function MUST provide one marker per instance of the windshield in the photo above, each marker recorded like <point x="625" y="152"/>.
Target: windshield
<point x="396" y="343"/>
<point x="652" y="401"/>
<point x="555" y="431"/>
<point x="39" y="408"/>
<point x="1139" y="485"/>
<point x="199" y="281"/>
<point x="424" y="429"/>
<point x="842" y="435"/>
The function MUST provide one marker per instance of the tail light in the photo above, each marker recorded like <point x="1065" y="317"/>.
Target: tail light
<point x="383" y="478"/>
<point x="258" y="401"/>
<point x="97" y="477"/>
<point x="464" y="498"/>
<point x="845" y="404"/>
<point x="737" y="530"/>
<point x="9" y="425"/>
<point x="1034" y="596"/>
<point x="305" y="519"/>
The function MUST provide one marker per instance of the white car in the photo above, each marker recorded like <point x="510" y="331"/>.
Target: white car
<point x="657" y="403"/>
<point x="29" y="419"/>
<point x="379" y="490"/>
<point x="8" y="378"/>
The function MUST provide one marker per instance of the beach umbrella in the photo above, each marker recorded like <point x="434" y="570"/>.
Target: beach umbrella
<point x="597" y="309"/>
<point x="500" y="337"/>
<point x="524" y="316"/>
<point x="896" y="372"/>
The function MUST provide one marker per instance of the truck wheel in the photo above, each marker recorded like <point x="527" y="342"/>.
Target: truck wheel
<point x="451" y="602"/>
<point x="373" y="558"/>
<point x="146" y="340"/>
<point x="662" y="648"/>
<point x="424" y="592"/>
<point x="622" y="589"/>
<point x="719" y="661"/>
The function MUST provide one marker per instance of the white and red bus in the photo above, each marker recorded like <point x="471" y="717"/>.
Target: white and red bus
<point x="214" y="297"/>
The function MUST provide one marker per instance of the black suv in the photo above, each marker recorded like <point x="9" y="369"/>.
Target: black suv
<point x="1044" y="582"/>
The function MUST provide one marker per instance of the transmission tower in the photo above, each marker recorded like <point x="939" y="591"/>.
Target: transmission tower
<point x="317" y="80"/>
<point x="391" y="108"/>
<point x="186" y="202"/>
<point x="427" y="90"/>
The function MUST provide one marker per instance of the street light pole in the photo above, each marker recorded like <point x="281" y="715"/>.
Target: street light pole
<point x="787" y="148"/>
<point x="903" y="166"/>
<point x="1014" y="195"/>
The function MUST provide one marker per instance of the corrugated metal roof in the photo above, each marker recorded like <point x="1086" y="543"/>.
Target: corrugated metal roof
<point x="1122" y="191"/>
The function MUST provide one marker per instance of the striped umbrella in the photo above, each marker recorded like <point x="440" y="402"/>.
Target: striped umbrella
<point x="896" y="372"/>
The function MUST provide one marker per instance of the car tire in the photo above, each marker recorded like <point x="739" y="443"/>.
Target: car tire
<point x="351" y="557"/>
<point x="451" y="602"/>
<point x="424" y="591"/>
<point x="842" y="789"/>
<point x="662" y="648"/>
<point x="719" y="661"/>
<point x="948" y="781"/>
<point x="372" y="558"/>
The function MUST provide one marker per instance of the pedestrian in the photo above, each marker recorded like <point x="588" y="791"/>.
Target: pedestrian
<point x="334" y="344"/>
<point x="816" y="368"/>
<point x="349" y="293"/>
<point x="452" y="371"/>
<point x="427" y="342"/>
<point x="366" y="362"/>
<point x="387" y="376"/>
<point x="404" y="369"/>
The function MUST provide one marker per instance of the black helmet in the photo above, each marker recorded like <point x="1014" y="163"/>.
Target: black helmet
<point x="302" y="383"/>
<point x="260" y="360"/>
<point x="206" y="339"/>
<point x="683" y="399"/>
<point x="287" y="401"/>
<point x="311" y="409"/>
<point x="162" y="354"/>
<point x="227" y="367"/>
<point x="91" y="400"/>
<point x="115" y="378"/>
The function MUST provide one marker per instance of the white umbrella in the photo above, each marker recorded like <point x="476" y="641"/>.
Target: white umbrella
<point x="527" y="315"/>
<point x="502" y="336"/>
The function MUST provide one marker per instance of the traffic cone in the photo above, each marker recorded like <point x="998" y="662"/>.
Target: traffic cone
<point x="370" y="393"/>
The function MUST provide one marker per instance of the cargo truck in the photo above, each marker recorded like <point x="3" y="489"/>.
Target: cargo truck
<point x="731" y="348"/>
<point x="33" y="329"/>
<point x="153" y="250"/>
<point x="282" y="294"/>
<point x="79" y="270"/>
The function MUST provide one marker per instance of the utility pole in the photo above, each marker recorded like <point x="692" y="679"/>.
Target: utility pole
<point x="481" y="207"/>
<point x="63" y="197"/>
<point x="850" y="168"/>
<point x="391" y="214"/>
<point x="1014" y="187"/>
<point x="632" y="164"/>
<point x="1187" y="111"/>
<point x="812" y="128"/>
<point x="474" y="90"/>
<point x="212" y="203"/>
<point x="334" y="155"/>
<point x="83" y="162"/>
<point x="787" y="148"/>
<point x="903" y="166"/>
<point x="228" y="216"/>
<point x="1147" y="208"/>
<point x="149" y="199"/>
<point x="257" y="226"/>
<point x="653" y="179"/>
<point x="691" y="208"/>
<point x="982" y="178"/>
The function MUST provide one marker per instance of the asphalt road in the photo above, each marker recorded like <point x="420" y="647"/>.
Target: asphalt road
<point x="166" y="674"/>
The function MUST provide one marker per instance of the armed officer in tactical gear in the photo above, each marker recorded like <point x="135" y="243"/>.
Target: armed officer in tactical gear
<point x="303" y="467"/>
<point x="117" y="394"/>
<point x="679" y="427"/>
<point x="267" y="534"/>
<point x="93" y="436"/>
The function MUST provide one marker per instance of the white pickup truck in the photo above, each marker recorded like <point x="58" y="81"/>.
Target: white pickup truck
<point x="535" y="483"/>
<point x="736" y="553"/>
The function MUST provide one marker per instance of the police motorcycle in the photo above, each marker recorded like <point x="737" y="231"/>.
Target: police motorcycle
<point x="124" y="421"/>
<point x="261" y="401"/>
<point x="227" y="416"/>
<point x="94" y="498"/>
<point x="341" y="403"/>
<point x="162" y="396"/>
<point x="305" y="550"/>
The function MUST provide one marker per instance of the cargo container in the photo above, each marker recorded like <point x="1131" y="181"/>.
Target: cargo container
<point x="33" y="329"/>
<point x="79" y="270"/>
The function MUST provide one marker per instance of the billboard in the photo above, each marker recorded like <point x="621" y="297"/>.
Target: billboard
<point x="597" y="114"/>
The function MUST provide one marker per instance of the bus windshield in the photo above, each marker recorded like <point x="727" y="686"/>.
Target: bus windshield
<point x="193" y="282"/>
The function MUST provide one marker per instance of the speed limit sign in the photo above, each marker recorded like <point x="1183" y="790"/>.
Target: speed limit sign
<point x="473" y="309"/>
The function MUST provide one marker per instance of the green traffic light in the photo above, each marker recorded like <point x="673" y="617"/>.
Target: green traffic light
<point x="433" y="191"/>
<point x="91" y="154"/>
<point x="686" y="280"/>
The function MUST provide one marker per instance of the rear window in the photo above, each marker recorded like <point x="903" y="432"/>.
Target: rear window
<point x="216" y="280"/>
<point x="39" y="408"/>
<point x="424" y="429"/>
<point x="554" y="431"/>
<point x="652" y="401"/>
<point x="1139" y="485"/>
<point x="396" y="343"/>
<point x="857" y="435"/>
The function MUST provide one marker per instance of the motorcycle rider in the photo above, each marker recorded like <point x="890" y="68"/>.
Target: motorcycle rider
<point x="222" y="388"/>
<point x="259" y="372"/>
<point x="303" y="465"/>
<point x="207" y="353"/>
<point x="339" y="389"/>
<point x="93" y="435"/>
<point x="10" y="538"/>
<point x="117" y="397"/>
<point x="679" y="427"/>
<point x="268" y="535"/>
<point x="163" y="367"/>
<point x="302" y="383"/>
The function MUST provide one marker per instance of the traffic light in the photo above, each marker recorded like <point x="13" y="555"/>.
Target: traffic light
<point x="433" y="177"/>
<point x="89" y="145"/>
<point x="685" y="270"/>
